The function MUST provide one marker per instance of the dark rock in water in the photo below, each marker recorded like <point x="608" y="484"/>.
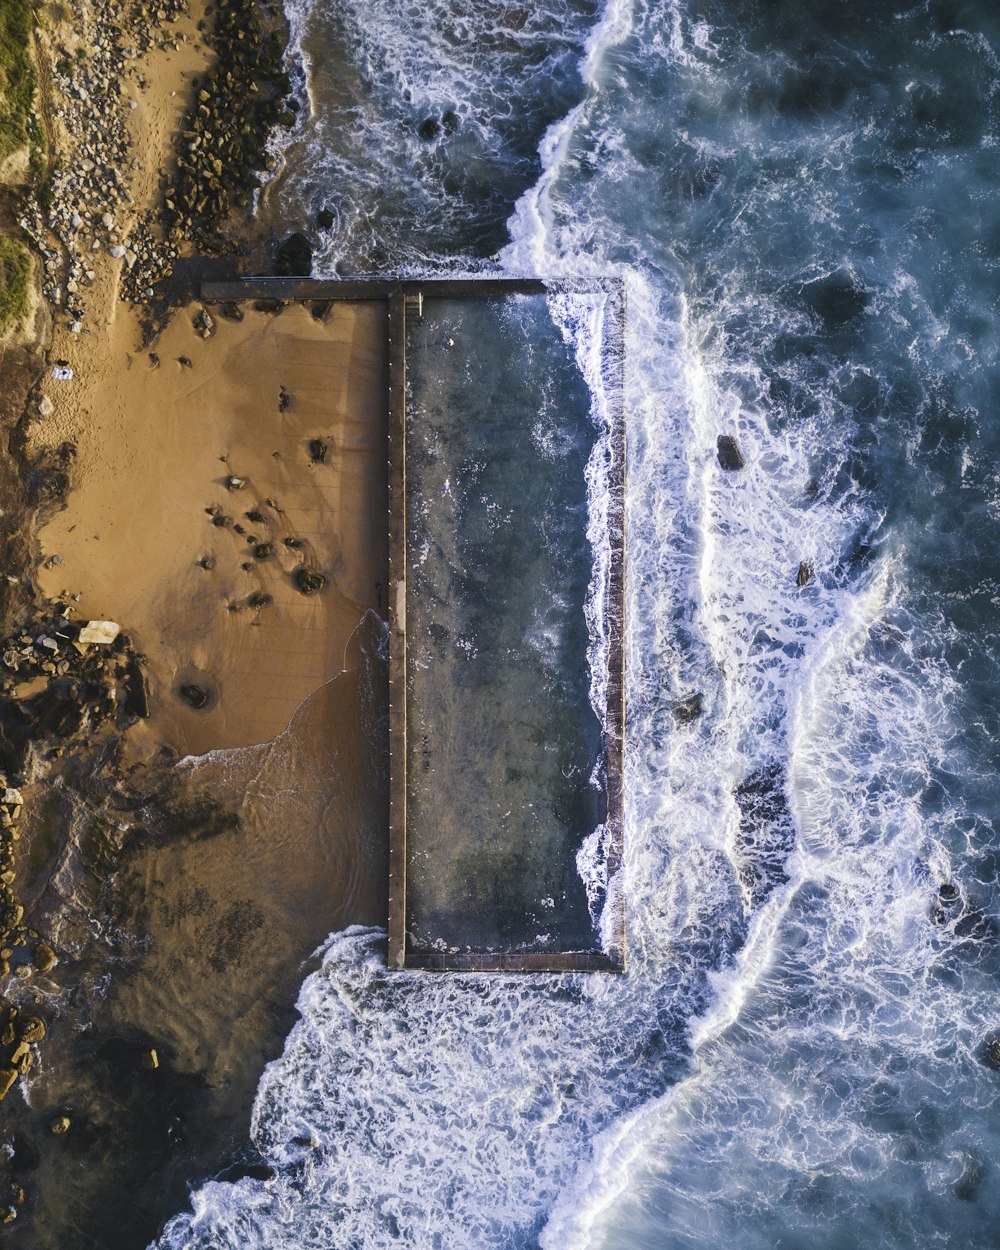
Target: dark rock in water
<point x="325" y="219"/>
<point x="263" y="551"/>
<point x="837" y="298"/>
<point x="258" y="518"/>
<point x="292" y="542"/>
<point x="991" y="1053"/>
<point x="220" y="519"/>
<point x="767" y="832"/>
<point x="969" y="1184"/>
<point x="246" y="1171"/>
<point x="317" y="451"/>
<point x="259" y="599"/>
<point x="730" y="456"/>
<point x="233" y="311"/>
<point x="197" y="696"/>
<point x="804" y="574"/>
<point x="295" y="257"/>
<point x="60" y="1126"/>
<point x="429" y="129"/>
<point x="308" y="582"/>
<point x="688" y="709"/>
<point x="450" y="121"/>
<point x="136" y="692"/>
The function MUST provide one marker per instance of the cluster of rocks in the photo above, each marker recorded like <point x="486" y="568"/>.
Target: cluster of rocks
<point x="19" y="1036"/>
<point x="223" y="144"/>
<point x="85" y="209"/>
<point x="62" y="680"/>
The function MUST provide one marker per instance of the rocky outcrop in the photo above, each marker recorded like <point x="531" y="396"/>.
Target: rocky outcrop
<point x="222" y="147"/>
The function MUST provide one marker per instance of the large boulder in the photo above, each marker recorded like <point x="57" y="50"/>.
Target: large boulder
<point x="295" y="257"/>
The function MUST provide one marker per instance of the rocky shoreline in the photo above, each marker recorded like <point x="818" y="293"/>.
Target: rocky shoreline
<point x="101" y="211"/>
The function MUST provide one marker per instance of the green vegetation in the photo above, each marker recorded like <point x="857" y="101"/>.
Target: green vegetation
<point x="15" y="274"/>
<point x="17" y="74"/>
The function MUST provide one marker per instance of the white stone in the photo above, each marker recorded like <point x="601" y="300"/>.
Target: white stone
<point x="101" y="632"/>
<point x="46" y="407"/>
<point x="107" y="221"/>
<point x="76" y="221"/>
<point x="117" y="251"/>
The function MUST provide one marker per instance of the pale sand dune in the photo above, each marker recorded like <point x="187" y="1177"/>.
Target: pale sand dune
<point x="150" y="446"/>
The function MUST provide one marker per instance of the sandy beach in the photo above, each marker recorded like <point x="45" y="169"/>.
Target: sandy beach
<point x="225" y="506"/>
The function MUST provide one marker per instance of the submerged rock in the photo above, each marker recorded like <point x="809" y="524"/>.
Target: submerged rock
<point x="197" y="696"/>
<point x="325" y="219"/>
<point x="804" y="574"/>
<point x="730" y="456"/>
<point x="688" y="709"/>
<point x="317" y="451"/>
<point x="295" y="257"/>
<point x="60" y="1126"/>
<point x="8" y="1077"/>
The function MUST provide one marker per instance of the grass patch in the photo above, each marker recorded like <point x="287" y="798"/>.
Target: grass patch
<point x="17" y="74"/>
<point x="15" y="275"/>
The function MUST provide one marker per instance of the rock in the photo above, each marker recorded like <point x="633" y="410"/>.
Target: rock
<point x="295" y="257"/>
<point x="60" y="1126"/>
<point x="991" y="1054"/>
<point x="804" y="574"/>
<point x="263" y="551"/>
<point x="325" y="219"/>
<point x="204" y="323"/>
<point x="309" y="583"/>
<point x="688" y="709"/>
<point x="150" y="1059"/>
<point x="729" y="454"/>
<point x="197" y="696"/>
<point x="46" y="407"/>
<point x="117" y="252"/>
<point x="317" y="451"/>
<point x="235" y="483"/>
<point x="8" y="1076"/>
<point x="44" y="957"/>
<point x="101" y="633"/>
<point x="429" y="129"/>
<point x="107" y="221"/>
<point x="233" y="311"/>
<point x="136" y="691"/>
<point x="33" y="1030"/>
<point x="259" y="599"/>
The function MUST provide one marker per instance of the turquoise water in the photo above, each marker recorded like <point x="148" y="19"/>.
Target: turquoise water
<point x="803" y="202"/>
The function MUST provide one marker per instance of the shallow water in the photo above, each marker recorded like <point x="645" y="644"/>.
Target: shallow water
<point x="504" y="747"/>
<point x="804" y="202"/>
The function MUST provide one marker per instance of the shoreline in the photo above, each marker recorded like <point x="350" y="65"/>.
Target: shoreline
<point x="180" y="898"/>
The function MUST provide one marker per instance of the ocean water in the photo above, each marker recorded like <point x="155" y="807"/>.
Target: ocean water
<point x="803" y="201"/>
